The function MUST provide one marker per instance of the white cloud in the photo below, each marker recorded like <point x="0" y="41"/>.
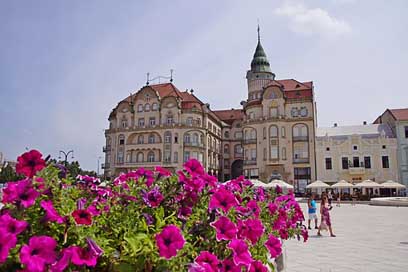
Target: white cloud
<point x="311" y="21"/>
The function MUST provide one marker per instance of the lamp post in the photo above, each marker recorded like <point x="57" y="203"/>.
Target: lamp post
<point x="66" y="154"/>
<point x="97" y="169"/>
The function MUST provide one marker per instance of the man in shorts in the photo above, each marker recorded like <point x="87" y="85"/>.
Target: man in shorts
<point x="311" y="203"/>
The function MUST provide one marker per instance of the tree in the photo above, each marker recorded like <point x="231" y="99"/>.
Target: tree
<point x="7" y="174"/>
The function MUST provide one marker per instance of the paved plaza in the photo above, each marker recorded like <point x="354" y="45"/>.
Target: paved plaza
<point x="369" y="238"/>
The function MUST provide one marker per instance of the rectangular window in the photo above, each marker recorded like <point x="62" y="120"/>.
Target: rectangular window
<point x="175" y="159"/>
<point x="274" y="152"/>
<point x="367" y="162"/>
<point x="167" y="156"/>
<point x="329" y="164"/>
<point x="170" y="120"/>
<point x="141" y="122"/>
<point x="253" y="154"/>
<point x="385" y="162"/>
<point x="152" y="121"/>
<point x="122" y="141"/>
<point x="406" y="131"/>
<point x="344" y="163"/>
<point x="186" y="155"/>
<point x="189" y="121"/>
<point x="356" y="162"/>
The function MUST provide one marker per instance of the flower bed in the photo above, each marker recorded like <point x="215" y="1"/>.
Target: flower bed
<point x="142" y="221"/>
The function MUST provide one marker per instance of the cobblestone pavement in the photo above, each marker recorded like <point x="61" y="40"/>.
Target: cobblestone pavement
<point x="369" y="239"/>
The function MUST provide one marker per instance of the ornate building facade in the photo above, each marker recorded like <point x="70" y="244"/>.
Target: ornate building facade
<point x="272" y="136"/>
<point x="356" y="153"/>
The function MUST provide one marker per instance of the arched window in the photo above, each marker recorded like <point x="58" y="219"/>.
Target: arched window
<point x="155" y="106"/>
<point x="226" y="134"/>
<point x="140" y="108"/>
<point x="226" y="149"/>
<point x="140" y="157"/>
<point x="300" y="131"/>
<point x="134" y="156"/>
<point x="121" y="139"/>
<point x="187" y="138"/>
<point x="273" y="131"/>
<point x="147" y="107"/>
<point x="150" y="156"/>
<point x="167" y="137"/>
<point x="151" y="139"/>
<point x="140" y="139"/>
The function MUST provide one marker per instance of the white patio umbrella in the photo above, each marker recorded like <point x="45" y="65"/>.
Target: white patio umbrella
<point x="392" y="184"/>
<point x="318" y="184"/>
<point x="258" y="183"/>
<point x="281" y="183"/>
<point x="368" y="184"/>
<point x="342" y="184"/>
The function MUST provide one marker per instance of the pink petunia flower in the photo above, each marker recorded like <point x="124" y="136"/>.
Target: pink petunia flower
<point x="194" y="167"/>
<point x="7" y="242"/>
<point x="226" y="230"/>
<point x="50" y="213"/>
<point x="251" y="229"/>
<point x="257" y="266"/>
<point x="30" y="163"/>
<point x="169" y="241"/>
<point x="152" y="198"/>
<point x="39" y="252"/>
<point x="228" y="265"/>
<point x="83" y="256"/>
<point x="82" y="217"/>
<point x="62" y="263"/>
<point x="12" y="225"/>
<point x="272" y="208"/>
<point x="223" y="199"/>
<point x="162" y="172"/>
<point x="305" y="234"/>
<point x="146" y="174"/>
<point x="274" y="246"/>
<point x="253" y="207"/>
<point x="241" y="254"/>
<point x="207" y="258"/>
<point x="21" y="193"/>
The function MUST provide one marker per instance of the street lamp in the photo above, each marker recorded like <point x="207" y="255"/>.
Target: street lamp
<point x="66" y="154"/>
<point x="97" y="169"/>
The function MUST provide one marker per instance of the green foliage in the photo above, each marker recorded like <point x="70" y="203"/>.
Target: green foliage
<point x="7" y="174"/>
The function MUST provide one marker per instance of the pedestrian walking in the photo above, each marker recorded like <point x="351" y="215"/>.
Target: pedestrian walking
<point x="330" y="197"/>
<point x="325" y="222"/>
<point x="338" y="199"/>
<point x="311" y="203"/>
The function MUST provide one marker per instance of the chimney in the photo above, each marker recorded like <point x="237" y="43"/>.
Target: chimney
<point x="335" y="125"/>
<point x="365" y="123"/>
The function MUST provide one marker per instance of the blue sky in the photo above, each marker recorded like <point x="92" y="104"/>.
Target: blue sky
<point x="65" y="64"/>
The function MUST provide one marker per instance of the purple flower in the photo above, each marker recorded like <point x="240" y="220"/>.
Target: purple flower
<point x="152" y="198"/>
<point x="149" y="219"/>
<point x="278" y="189"/>
<point x="194" y="167"/>
<point x="228" y="265"/>
<point x="169" y="241"/>
<point x="62" y="263"/>
<point x="7" y="242"/>
<point x="223" y="199"/>
<point x="226" y="230"/>
<point x="184" y="212"/>
<point x="20" y="192"/>
<point x="252" y="229"/>
<point x="257" y="266"/>
<point x="93" y="247"/>
<point x="12" y="225"/>
<point x="30" y="163"/>
<point x="274" y="246"/>
<point x="241" y="254"/>
<point x="260" y="194"/>
<point x="39" y="252"/>
<point x="207" y="258"/>
<point x="50" y="213"/>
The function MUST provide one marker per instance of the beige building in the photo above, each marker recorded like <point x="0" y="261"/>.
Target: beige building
<point x="272" y="136"/>
<point x="356" y="153"/>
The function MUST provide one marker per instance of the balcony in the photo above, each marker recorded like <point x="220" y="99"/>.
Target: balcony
<point x="154" y="163"/>
<point x="106" y="148"/>
<point x="300" y="138"/>
<point x="300" y="160"/>
<point x="249" y="141"/>
<point x="194" y="144"/>
<point x="250" y="162"/>
<point x="356" y="170"/>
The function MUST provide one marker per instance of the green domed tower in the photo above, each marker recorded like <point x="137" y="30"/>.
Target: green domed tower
<point x="260" y="74"/>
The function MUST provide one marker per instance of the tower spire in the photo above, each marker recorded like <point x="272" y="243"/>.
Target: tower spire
<point x="259" y="34"/>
